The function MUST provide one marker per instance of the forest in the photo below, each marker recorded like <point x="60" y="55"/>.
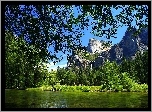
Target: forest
<point x="26" y="52"/>
<point x="130" y="75"/>
<point x="36" y="35"/>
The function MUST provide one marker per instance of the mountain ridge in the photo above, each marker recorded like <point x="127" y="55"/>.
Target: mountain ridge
<point x="127" y="48"/>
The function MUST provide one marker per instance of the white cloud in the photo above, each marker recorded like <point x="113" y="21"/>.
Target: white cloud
<point x="64" y="65"/>
<point x="50" y="64"/>
<point x="61" y="64"/>
<point x="54" y="67"/>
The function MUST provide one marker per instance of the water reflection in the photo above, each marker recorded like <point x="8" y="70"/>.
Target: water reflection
<point x="41" y="99"/>
<point x="57" y="104"/>
<point x="47" y="104"/>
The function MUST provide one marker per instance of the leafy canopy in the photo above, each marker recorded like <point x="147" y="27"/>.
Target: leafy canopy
<point x="45" y="25"/>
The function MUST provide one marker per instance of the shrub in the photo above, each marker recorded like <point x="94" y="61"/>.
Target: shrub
<point x="57" y="87"/>
<point x="46" y="88"/>
<point x="85" y="89"/>
<point x="127" y="82"/>
<point x="144" y="87"/>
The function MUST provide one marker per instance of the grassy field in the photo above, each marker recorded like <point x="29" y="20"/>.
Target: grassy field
<point x="82" y="88"/>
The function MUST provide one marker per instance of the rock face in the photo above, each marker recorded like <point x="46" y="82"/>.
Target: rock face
<point x="127" y="48"/>
<point x="95" y="46"/>
<point x="77" y="60"/>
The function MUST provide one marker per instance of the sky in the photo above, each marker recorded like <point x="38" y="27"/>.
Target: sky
<point x="85" y="38"/>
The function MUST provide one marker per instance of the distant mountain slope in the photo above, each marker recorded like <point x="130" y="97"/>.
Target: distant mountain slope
<point x="127" y="47"/>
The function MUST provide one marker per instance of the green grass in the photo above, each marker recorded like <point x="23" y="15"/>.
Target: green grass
<point x="64" y="88"/>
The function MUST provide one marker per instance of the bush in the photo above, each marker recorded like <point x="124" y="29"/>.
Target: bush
<point x="57" y="87"/>
<point x="95" y="88"/>
<point x="127" y="82"/>
<point x="144" y="87"/>
<point x="46" y="88"/>
<point x="85" y="89"/>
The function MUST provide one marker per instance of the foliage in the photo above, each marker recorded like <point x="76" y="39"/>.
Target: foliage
<point x="137" y="68"/>
<point x="81" y="88"/>
<point x="91" y="57"/>
<point x="141" y="66"/>
<point x="26" y="52"/>
<point x="111" y="76"/>
<point x="65" y="88"/>
<point x="45" y="26"/>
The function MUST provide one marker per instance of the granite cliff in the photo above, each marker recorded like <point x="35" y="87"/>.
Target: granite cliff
<point x="127" y="48"/>
<point x="94" y="47"/>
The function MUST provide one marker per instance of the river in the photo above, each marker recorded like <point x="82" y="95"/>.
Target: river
<point x="47" y="99"/>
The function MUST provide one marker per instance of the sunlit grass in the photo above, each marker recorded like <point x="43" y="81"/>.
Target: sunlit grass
<point x="64" y="88"/>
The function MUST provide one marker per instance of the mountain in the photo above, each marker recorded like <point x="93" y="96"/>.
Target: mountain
<point x="96" y="46"/>
<point x="127" y="48"/>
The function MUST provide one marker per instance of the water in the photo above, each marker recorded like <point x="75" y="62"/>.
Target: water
<point x="47" y="99"/>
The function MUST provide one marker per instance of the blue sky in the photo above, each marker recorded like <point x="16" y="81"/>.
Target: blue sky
<point x="85" y="39"/>
<point x="87" y="35"/>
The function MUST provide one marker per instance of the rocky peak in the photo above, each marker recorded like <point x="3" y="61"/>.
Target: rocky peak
<point x="127" y="47"/>
<point x="96" y="46"/>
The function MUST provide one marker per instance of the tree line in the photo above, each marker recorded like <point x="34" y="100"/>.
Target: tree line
<point x="26" y="52"/>
<point x="23" y="72"/>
